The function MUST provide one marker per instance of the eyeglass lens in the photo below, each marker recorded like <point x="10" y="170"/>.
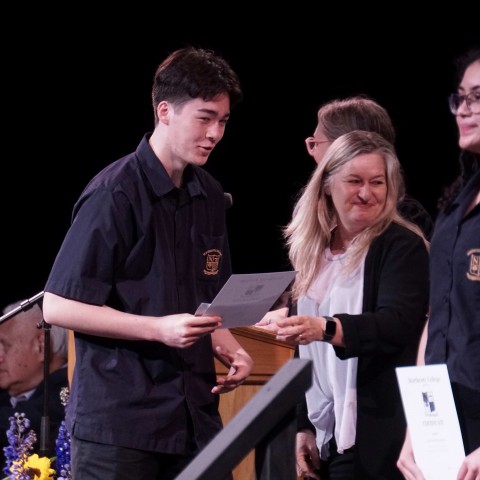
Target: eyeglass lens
<point x="472" y="101"/>
<point x="312" y="142"/>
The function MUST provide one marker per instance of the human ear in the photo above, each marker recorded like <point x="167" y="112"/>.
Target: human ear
<point x="163" y="112"/>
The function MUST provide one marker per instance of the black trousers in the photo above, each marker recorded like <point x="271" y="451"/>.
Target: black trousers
<point x="339" y="466"/>
<point x="96" y="461"/>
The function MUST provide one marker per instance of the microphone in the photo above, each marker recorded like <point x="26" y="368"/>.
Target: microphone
<point x="228" y="200"/>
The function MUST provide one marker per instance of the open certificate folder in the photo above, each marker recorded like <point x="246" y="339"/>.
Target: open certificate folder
<point x="432" y="420"/>
<point x="246" y="298"/>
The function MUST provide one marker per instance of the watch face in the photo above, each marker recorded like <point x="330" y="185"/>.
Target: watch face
<point x="330" y="329"/>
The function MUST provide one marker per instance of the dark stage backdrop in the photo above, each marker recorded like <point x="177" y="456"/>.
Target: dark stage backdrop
<point x="76" y="96"/>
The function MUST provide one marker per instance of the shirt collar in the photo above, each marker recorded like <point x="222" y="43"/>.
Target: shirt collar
<point x="158" y="177"/>
<point x="23" y="397"/>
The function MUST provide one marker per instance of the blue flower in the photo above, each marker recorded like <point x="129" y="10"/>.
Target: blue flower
<point x="62" y="448"/>
<point x="22" y="438"/>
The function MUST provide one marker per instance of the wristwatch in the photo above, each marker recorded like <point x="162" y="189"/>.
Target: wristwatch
<point x="330" y="329"/>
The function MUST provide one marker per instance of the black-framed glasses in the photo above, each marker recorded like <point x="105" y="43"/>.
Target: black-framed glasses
<point x="312" y="142"/>
<point x="472" y="101"/>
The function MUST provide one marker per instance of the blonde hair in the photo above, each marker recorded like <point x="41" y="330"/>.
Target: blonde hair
<point x="310" y="230"/>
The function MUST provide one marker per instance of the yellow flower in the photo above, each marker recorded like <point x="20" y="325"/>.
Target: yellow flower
<point x="37" y="468"/>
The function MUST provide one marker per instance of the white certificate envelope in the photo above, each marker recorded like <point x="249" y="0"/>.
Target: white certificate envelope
<point x="432" y="420"/>
<point x="246" y="298"/>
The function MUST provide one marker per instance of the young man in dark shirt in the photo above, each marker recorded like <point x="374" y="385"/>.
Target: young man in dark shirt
<point x="147" y="245"/>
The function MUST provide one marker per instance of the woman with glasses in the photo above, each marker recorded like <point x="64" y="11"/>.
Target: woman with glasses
<point x="341" y="116"/>
<point x="452" y="335"/>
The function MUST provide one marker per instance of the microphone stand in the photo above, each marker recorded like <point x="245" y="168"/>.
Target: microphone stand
<point x="23" y="307"/>
<point x="45" y="447"/>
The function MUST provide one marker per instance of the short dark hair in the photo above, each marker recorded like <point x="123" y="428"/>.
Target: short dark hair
<point x="190" y="73"/>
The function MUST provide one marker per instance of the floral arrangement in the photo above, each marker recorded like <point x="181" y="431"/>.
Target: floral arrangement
<point x="21" y="464"/>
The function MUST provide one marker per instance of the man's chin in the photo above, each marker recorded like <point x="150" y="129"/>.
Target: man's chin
<point x="201" y="160"/>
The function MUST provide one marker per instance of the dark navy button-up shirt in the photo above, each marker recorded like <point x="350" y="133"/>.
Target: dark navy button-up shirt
<point x="454" y="326"/>
<point x="140" y="245"/>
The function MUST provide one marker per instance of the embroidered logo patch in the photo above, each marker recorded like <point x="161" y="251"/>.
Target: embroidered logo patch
<point x="212" y="261"/>
<point x="474" y="270"/>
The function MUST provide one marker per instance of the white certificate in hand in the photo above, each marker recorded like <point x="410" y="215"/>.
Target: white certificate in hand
<point x="246" y="298"/>
<point x="432" y="420"/>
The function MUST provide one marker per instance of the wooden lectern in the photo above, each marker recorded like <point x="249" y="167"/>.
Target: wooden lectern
<point x="268" y="356"/>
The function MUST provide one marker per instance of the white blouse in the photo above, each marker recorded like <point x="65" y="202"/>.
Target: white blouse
<point x="332" y="398"/>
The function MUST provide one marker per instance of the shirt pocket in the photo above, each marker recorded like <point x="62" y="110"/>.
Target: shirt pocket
<point x="209" y="255"/>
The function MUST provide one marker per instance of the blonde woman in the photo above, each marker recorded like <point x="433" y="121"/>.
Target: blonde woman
<point x="362" y="298"/>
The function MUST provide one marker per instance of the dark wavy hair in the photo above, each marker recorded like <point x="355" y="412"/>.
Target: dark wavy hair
<point x="190" y="73"/>
<point x="469" y="161"/>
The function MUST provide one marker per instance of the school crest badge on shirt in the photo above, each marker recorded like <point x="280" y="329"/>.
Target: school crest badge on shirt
<point x="474" y="270"/>
<point x="212" y="261"/>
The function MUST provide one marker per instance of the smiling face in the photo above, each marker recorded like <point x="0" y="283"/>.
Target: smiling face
<point x="359" y="192"/>
<point x="194" y="128"/>
<point x="468" y="122"/>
